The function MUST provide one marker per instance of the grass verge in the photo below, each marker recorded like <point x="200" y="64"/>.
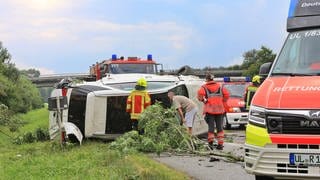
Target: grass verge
<point x="92" y="160"/>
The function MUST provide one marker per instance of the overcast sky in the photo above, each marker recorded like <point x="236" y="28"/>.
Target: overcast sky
<point x="67" y="36"/>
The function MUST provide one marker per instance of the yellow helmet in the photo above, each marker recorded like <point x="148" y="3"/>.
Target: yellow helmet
<point x="142" y="82"/>
<point x="256" y="79"/>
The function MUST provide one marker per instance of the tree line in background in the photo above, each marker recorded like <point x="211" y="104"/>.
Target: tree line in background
<point x="252" y="60"/>
<point x="17" y="93"/>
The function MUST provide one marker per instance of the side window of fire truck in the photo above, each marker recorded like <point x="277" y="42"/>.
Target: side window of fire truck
<point x="114" y="68"/>
<point x="180" y="90"/>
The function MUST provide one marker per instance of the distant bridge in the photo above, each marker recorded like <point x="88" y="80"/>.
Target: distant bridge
<point x="52" y="79"/>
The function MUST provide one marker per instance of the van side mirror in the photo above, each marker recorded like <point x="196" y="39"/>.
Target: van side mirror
<point x="264" y="69"/>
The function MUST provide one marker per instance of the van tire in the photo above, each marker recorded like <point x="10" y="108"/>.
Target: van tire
<point x="258" y="177"/>
<point x="226" y="124"/>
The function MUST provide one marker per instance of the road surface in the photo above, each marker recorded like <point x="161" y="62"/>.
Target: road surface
<point x="212" y="167"/>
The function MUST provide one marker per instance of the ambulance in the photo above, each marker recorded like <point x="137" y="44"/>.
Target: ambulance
<point x="283" y="134"/>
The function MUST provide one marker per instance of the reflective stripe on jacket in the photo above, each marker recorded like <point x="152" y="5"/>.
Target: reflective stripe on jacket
<point x="214" y="96"/>
<point x="137" y="101"/>
<point x="251" y="90"/>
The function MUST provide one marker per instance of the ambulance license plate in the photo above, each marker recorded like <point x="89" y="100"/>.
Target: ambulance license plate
<point x="304" y="159"/>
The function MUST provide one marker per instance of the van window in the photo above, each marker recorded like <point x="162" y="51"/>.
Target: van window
<point x="300" y="54"/>
<point x="180" y="90"/>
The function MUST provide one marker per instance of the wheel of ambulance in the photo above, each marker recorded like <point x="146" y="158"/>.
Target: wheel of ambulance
<point x="242" y="126"/>
<point x="264" y="177"/>
<point x="226" y="124"/>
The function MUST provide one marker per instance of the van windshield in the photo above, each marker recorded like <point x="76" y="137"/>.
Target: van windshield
<point x="300" y="54"/>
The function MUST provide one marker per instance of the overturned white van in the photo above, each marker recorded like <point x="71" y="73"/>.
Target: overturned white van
<point x="98" y="109"/>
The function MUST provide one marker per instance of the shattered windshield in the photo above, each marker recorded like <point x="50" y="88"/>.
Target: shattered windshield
<point x="300" y="55"/>
<point x="151" y="85"/>
<point x="133" y="68"/>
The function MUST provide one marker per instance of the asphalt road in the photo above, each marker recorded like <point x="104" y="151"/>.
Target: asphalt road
<point x="212" y="167"/>
<point x="200" y="168"/>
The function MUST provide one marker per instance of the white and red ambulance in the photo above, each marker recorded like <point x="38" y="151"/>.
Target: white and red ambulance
<point x="283" y="134"/>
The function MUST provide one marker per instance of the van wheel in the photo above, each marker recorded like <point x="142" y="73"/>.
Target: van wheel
<point x="264" y="178"/>
<point x="226" y="125"/>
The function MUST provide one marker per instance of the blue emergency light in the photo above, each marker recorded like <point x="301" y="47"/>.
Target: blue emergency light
<point x="303" y="14"/>
<point x="292" y="8"/>
<point x="236" y="79"/>
<point x="114" y="57"/>
<point x="149" y="57"/>
<point x="226" y="79"/>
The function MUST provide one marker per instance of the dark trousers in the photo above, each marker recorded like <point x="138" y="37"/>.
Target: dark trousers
<point x="134" y="124"/>
<point x="214" y="120"/>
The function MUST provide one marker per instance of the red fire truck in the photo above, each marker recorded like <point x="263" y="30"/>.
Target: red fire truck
<point x="236" y="113"/>
<point x="124" y="65"/>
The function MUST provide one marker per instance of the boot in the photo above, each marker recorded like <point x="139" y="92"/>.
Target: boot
<point x="211" y="146"/>
<point x="219" y="147"/>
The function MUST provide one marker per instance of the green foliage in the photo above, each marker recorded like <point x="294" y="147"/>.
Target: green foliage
<point x="8" y="119"/>
<point x="18" y="128"/>
<point x="16" y="91"/>
<point x="92" y="160"/>
<point x="29" y="137"/>
<point x="42" y="134"/>
<point x="253" y="59"/>
<point x="38" y="118"/>
<point x="4" y="115"/>
<point x="31" y="72"/>
<point x="162" y="132"/>
<point x="5" y="57"/>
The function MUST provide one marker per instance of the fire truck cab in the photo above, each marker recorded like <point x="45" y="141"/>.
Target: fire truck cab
<point x="283" y="134"/>
<point x="123" y="65"/>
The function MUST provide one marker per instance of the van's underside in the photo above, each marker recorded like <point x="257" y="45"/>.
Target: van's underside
<point x="115" y="118"/>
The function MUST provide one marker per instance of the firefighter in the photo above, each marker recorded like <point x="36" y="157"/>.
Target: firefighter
<point x="214" y="97"/>
<point x="138" y="100"/>
<point x="185" y="106"/>
<point x="251" y="90"/>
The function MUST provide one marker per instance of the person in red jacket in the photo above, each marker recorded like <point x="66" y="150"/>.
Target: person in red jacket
<point x="138" y="100"/>
<point x="214" y="97"/>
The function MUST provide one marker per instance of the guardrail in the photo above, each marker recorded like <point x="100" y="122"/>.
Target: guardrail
<point x="50" y="80"/>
